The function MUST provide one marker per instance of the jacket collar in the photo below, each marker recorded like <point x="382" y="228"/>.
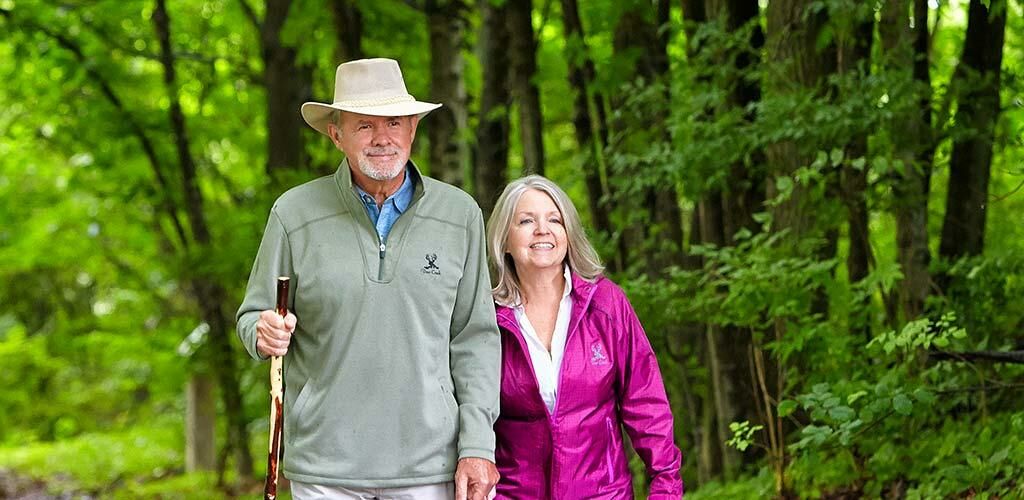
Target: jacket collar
<point x="349" y="193"/>
<point x="582" y="295"/>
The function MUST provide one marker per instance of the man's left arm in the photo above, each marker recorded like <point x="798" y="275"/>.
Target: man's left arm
<point x="475" y="351"/>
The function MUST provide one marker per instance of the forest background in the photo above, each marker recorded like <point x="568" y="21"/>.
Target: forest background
<point x="815" y="207"/>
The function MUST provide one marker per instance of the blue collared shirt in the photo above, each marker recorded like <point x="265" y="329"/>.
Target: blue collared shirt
<point x="395" y="205"/>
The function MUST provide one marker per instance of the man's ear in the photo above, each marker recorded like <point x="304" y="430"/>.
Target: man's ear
<point x="334" y="132"/>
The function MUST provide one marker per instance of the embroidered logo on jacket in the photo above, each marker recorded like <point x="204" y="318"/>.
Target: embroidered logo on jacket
<point x="597" y="356"/>
<point x="431" y="267"/>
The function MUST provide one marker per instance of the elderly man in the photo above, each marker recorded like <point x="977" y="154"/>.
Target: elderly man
<point x="391" y="357"/>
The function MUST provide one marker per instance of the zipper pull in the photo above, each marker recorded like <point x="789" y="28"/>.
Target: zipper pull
<point x="382" y="249"/>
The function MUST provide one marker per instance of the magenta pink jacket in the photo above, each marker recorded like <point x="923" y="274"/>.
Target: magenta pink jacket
<point x="609" y="380"/>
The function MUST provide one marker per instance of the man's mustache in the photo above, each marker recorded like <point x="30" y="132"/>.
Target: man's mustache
<point x="381" y="151"/>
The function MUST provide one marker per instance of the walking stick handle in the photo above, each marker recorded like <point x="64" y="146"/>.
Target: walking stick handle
<point x="276" y="402"/>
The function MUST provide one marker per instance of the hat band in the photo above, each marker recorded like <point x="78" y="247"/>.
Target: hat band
<point x="363" y="103"/>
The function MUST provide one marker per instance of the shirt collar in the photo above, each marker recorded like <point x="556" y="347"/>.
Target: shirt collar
<point x="568" y="282"/>
<point x="401" y="198"/>
<point x="565" y="291"/>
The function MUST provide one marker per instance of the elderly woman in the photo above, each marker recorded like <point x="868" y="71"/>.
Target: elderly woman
<point x="576" y="364"/>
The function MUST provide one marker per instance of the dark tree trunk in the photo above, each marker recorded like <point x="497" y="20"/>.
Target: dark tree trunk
<point x="581" y="74"/>
<point x="492" y="131"/>
<point x="963" y="228"/>
<point x="348" y="24"/>
<point x="449" y="154"/>
<point x="522" y="71"/>
<point x="209" y="295"/>
<point x="905" y="50"/>
<point x="288" y="86"/>
<point x="854" y="58"/>
<point x="657" y="241"/>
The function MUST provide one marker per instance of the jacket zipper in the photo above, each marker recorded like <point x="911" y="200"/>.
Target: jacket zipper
<point x="380" y="265"/>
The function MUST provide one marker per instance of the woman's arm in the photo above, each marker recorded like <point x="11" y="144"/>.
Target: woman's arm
<point x="644" y="406"/>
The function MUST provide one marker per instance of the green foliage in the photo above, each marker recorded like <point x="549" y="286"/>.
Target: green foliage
<point x="920" y="334"/>
<point x="99" y="462"/>
<point x="742" y="433"/>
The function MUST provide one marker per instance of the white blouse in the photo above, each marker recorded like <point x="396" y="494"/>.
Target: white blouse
<point x="547" y="365"/>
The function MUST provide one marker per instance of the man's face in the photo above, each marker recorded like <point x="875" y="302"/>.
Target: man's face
<point x="378" y="145"/>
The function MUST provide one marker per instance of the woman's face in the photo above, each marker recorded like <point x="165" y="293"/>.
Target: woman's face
<point x="537" y="239"/>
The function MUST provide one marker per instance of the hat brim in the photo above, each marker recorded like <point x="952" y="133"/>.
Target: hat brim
<point x="318" y="114"/>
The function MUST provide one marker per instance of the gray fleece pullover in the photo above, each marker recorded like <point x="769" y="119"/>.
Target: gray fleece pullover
<point x="393" y="370"/>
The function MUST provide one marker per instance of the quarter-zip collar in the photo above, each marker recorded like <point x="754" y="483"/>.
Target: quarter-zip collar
<point x="375" y="251"/>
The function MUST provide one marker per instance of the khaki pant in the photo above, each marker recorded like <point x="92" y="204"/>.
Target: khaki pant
<point x="441" y="491"/>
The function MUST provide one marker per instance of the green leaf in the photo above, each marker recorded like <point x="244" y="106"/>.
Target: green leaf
<point x="786" y="407"/>
<point x="836" y="156"/>
<point x="855" y="396"/>
<point x="923" y="395"/>
<point x="842" y="413"/>
<point x="902" y="404"/>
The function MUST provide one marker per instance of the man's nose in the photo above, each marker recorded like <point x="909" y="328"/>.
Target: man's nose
<point x="380" y="137"/>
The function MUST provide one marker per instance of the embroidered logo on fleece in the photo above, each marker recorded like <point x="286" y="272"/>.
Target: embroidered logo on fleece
<point x="431" y="267"/>
<point x="597" y="356"/>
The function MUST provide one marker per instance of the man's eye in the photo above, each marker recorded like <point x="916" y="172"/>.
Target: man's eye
<point x="363" y="127"/>
<point x="394" y="123"/>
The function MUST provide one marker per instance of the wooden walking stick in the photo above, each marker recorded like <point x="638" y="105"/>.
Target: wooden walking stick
<point x="276" y="402"/>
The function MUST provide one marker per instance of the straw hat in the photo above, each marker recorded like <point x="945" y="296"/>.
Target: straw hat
<point x="370" y="87"/>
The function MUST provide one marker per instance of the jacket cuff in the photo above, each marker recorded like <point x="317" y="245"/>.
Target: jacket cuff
<point x="476" y="453"/>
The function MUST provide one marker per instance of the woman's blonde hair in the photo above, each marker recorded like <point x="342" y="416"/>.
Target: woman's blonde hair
<point x="583" y="259"/>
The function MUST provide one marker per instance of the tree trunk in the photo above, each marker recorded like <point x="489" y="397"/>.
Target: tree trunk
<point x="652" y="233"/>
<point x="288" y="86"/>
<point x="722" y="360"/>
<point x="200" y="424"/>
<point x="492" y="131"/>
<point x="581" y="73"/>
<point x="793" y="32"/>
<point x="449" y="154"/>
<point x="963" y="228"/>
<point x="348" y="24"/>
<point x="209" y="295"/>
<point x="854" y="59"/>
<point x="522" y="71"/>
<point x="725" y="210"/>
<point x="905" y="50"/>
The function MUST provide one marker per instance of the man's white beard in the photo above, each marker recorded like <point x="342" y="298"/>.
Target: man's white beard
<point x="384" y="172"/>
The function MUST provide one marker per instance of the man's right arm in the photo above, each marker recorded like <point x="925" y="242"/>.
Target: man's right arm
<point x="273" y="259"/>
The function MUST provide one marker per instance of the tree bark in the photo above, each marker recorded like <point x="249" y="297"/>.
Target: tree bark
<point x="449" y="153"/>
<point x="492" y="130"/>
<point x="522" y="71"/>
<point x="793" y="32"/>
<point x="288" y="84"/>
<point x="653" y="231"/>
<point x="905" y="50"/>
<point x="348" y="25"/>
<point x="585" y="123"/>
<point x="200" y="424"/>
<point x="209" y="295"/>
<point x="963" y="228"/>
<point x="854" y="59"/>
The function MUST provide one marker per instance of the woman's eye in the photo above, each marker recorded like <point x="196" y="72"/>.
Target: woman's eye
<point x="555" y="220"/>
<point x="525" y="221"/>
